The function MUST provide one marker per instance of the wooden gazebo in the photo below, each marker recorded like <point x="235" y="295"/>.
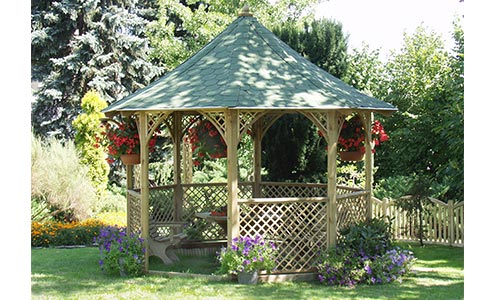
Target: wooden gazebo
<point x="245" y="79"/>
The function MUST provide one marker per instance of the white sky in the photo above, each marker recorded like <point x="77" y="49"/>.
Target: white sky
<point x="382" y="23"/>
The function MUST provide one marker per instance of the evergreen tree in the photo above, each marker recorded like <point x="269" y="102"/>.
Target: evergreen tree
<point x="79" y="45"/>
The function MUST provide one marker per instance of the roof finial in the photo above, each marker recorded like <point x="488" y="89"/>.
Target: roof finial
<point x="245" y="12"/>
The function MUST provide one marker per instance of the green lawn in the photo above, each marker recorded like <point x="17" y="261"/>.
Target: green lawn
<point x="75" y="274"/>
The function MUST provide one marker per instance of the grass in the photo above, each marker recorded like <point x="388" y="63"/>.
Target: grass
<point x="75" y="274"/>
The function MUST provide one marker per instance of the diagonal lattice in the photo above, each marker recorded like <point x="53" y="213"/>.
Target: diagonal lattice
<point x="134" y="212"/>
<point x="351" y="208"/>
<point x="203" y="198"/>
<point x="162" y="204"/>
<point x="297" y="227"/>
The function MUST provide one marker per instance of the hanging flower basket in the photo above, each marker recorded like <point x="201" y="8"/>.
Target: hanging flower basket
<point x="122" y="141"/>
<point x="351" y="155"/>
<point x="130" y="159"/>
<point x="206" y="142"/>
<point x="351" y="139"/>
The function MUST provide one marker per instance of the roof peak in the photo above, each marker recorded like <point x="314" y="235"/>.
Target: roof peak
<point x="245" y="12"/>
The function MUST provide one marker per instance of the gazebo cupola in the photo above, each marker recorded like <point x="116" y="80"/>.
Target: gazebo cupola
<point x="246" y="78"/>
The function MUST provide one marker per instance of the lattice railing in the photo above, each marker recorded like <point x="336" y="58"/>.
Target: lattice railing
<point x="133" y="212"/>
<point x="351" y="208"/>
<point x="203" y="198"/>
<point x="297" y="226"/>
<point x="287" y="190"/>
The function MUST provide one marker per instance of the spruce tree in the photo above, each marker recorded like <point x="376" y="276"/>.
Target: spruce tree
<point x="79" y="45"/>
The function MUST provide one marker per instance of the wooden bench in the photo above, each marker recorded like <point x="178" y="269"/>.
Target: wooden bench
<point x="163" y="246"/>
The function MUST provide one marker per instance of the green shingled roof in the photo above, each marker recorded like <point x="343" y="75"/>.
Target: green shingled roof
<point x="247" y="67"/>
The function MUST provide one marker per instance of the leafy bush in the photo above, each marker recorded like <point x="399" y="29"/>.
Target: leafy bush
<point x="247" y="254"/>
<point x="364" y="254"/>
<point x="389" y="266"/>
<point x="120" y="253"/>
<point x="367" y="238"/>
<point x="339" y="267"/>
<point x="59" y="181"/>
<point x="88" y="133"/>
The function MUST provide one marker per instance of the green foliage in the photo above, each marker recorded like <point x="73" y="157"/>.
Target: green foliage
<point x="184" y="27"/>
<point x="364" y="254"/>
<point x="80" y="45"/>
<point x="247" y="254"/>
<point x="370" y="237"/>
<point x="426" y="135"/>
<point x="86" y="139"/>
<point x="364" y="70"/>
<point x="59" y="181"/>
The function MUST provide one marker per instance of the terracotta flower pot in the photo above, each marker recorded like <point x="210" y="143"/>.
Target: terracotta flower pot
<point x="351" y="155"/>
<point x="130" y="159"/>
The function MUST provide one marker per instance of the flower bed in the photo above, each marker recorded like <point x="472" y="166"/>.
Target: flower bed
<point x="58" y="233"/>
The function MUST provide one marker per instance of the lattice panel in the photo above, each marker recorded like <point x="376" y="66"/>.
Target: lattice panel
<point x="134" y="213"/>
<point x="187" y="121"/>
<point x="162" y="205"/>
<point x="246" y="120"/>
<point x="204" y="198"/>
<point x="288" y="191"/>
<point x="245" y="190"/>
<point x="351" y="209"/>
<point x="218" y="118"/>
<point x="297" y="228"/>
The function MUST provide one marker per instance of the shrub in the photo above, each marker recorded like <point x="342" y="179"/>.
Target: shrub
<point x="364" y="254"/>
<point x="88" y="133"/>
<point x="367" y="238"/>
<point x="388" y="267"/>
<point x="246" y="255"/>
<point x="59" y="181"/>
<point x="339" y="267"/>
<point x="120" y="253"/>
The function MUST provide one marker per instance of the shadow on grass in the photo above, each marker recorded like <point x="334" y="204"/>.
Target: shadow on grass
<point x="58" y="273"/>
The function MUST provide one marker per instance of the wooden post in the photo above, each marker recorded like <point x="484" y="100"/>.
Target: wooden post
<point x="129" y="186"/>
<point x="258" y="138"/>
<point x="450" y="215"/>
<point x="232" y="135"/>
<point x="178" y="198"/>
<point x="332" y="136"/>
<point x="145" y="185"/>
<point x="368" y="162"/>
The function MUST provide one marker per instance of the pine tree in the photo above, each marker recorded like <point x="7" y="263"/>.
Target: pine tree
<point x="79" y="45"/>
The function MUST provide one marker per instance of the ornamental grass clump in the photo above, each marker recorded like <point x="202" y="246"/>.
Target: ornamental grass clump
<point x="120" y="253"/>
<point x="247" y="254"/>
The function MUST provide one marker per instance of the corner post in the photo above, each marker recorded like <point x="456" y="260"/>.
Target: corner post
<point x="145" y="185"/>
<point x="332" y="136"/>
<point x="232" y="135"/>
<point x="368" y="160"/>
<point x="177" y="139"/>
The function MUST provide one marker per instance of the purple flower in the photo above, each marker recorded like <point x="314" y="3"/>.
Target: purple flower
<point x="368" y="270"/>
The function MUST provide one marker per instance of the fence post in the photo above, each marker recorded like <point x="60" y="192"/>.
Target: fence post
<point x="385" y="207"/>
<point x="450" y="213"/>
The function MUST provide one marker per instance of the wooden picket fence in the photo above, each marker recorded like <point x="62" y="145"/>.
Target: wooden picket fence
<point x="443" y="224"/>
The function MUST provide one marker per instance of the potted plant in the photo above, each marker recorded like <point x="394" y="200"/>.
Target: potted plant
<point x="351" y="139"/>
<point x="122" y="141"/>
<point x="206" y="141"/>
<point x="246" y="257"/>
